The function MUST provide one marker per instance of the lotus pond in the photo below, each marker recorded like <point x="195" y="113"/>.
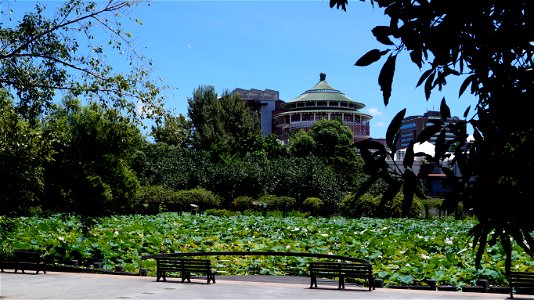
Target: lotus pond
<point x="402" y="251"/>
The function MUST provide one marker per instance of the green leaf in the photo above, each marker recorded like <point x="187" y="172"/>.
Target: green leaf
<point x="385" y="78"/>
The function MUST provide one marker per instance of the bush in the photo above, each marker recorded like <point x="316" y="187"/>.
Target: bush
<point x="273" y="202"/>
<point x="365" y="206"/>
<point x="155" y="199"/>
<point x="199" y="197"/>
<point x="312" y="204"/>
<point x="393" y="209"/>
<point x="220" y="212"/>
<point x="243" y="203"/>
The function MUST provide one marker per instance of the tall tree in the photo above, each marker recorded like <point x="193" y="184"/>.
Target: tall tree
<point x="68" y="52"/>
<point x="331" y="141"/>
<point x="90" y="173"/>
<point x="489" y="43"/>
<point x="23" y="154"/>
<point x="175" y="130"/>
<point x="223" y="125"/>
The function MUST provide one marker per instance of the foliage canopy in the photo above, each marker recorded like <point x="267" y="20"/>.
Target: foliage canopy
<point x="68" y="51"/>
<point x="490" y="45"/>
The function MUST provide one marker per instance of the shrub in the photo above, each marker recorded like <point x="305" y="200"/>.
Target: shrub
<point x="274" y="202"/>
<point x="199" y="197"/>
<point x="312" y="204"/>
<point x="393" y="209"/>
<point x="220" y="212"/>
<point x="365" y="206"/>
<point x="243" y="203"/>
<point x="155" y="199"/>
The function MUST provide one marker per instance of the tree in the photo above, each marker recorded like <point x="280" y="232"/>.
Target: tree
<point x="301" y="144"/>
<point x="490" y="45"/>
<point x="41" y="56"/>
<point x="23" y="154"/>
<point x="175" y="130"/>
<point x="90" y="173"/>
<point x="332" y="142"/>
<point x="223" y="125"/>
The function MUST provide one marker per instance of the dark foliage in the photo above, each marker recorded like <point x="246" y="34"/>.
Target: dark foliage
<point x="490" y="45"/>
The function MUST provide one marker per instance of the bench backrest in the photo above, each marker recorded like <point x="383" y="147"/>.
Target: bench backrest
<point x="521" y="278"/>
<point x="340" y="268"/>
<point x="183" y="264"/>
<point x="26" y="256"/>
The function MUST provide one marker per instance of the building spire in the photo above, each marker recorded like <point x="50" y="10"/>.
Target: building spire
<point x="322" y="76"/>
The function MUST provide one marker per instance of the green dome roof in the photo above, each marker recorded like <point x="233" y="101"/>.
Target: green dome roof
<point x="322" y="91"/>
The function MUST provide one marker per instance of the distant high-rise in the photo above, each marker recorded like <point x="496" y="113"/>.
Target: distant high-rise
<point x="412" y="126"/>
<point x="321" y="102"/>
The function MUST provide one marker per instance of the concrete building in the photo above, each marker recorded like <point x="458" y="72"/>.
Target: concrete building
<point x="321" y="102"/>
<point x="264" y="103"/>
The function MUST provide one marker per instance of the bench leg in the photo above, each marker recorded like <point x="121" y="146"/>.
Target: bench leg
<point x="313" y="282"/>
<point x="211" y="277"/>
<point x="186" y="276"/>
<point x="161" y="275"/>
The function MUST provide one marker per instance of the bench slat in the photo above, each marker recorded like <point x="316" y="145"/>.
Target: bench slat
<point x="185" y="266"/>
<point x="341" y="271"/>
<point x="521" y="282"/>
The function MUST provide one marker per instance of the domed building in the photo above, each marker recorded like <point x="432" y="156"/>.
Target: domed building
<point x="321" y="102"/>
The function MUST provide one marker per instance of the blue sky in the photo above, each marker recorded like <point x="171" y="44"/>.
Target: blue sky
<point x="278" y="45"/>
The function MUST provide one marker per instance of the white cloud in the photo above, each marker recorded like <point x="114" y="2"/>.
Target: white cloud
<point x="189" y="46"/>
<point x="380" y="124"/>
<point x="373" y="111"/>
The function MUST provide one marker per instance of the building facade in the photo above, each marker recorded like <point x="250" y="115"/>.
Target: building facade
<point x="412" y="126"/>
<point x="264" y="103"/>
<point x="321" y="102"/>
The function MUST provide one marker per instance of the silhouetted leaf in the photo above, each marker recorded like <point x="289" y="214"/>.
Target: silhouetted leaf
<point x="466" y="112"/>
<point x="385" y="78"/>
<point x="465" y="84"/>
<point x="382" y="33"/>
<point x="429" y="85"/>
<point x="424" y="77"/>
<point x="444" y="110"/>
<point x="394" y="127"/>
<point x="441" y="146"/>
<point x="408" y="189"/>
<point x="364" y="187"/>
<point x="428" y="133"/>
<point x="409" y="156"/>
<point x="370" y="57"/>
<point x="338" y="3"/>
<point x="388" y="195"/>
<point x="417" y="58"/>
<point x="482" y="240"/>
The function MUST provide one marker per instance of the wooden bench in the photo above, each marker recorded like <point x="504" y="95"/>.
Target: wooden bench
<point x="521" y="283"/>
<point x="185" y="266"/>
<point x="341" y="271"/>
<point x="25" y="260"/>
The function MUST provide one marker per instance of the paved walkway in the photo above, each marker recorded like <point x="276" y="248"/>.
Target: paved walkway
<point x="55" y="285"/>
